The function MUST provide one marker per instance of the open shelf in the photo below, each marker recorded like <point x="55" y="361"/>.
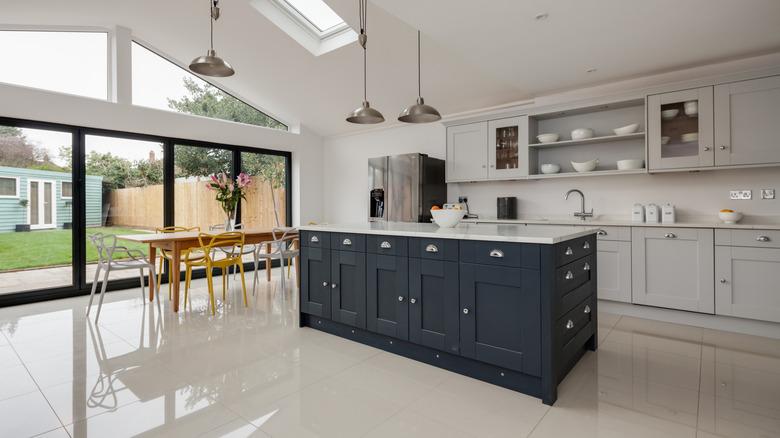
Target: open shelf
<point x="593" y="173"/>
<point x="602" y="139"/>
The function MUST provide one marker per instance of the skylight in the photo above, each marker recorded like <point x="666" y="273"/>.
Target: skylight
<point x="317" y="13"/>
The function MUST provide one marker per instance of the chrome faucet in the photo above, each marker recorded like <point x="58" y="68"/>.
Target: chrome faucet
<point x="582" y="214"/>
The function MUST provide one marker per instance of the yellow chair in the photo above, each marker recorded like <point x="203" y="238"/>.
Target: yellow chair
<point x="165" y="256"/>
<point x="231" y="244"/>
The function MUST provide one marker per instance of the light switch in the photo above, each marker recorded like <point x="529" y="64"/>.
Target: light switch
<point x="767" y="193"/>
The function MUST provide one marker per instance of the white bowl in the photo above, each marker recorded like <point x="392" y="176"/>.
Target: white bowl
<point x="630" y="164"/>
<point x="447" y="218"/>
<point x="690" y="137"/>
<point x="547" y="138"/>
<point x="586" y="166"/>
<point x="550" y="168"/>
<point x="669" y="114"/>
<point x="730" y="217"/>
<point x="581" y="133"/>
<point x="665" y="139"/>
<point x="628" y="129"/>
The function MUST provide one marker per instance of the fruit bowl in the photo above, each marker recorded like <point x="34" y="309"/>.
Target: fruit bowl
<point x="447" y="218"/>
<point x="730" y="216"/>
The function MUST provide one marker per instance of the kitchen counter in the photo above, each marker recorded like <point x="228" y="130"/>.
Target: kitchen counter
<point x="768" y="223"/>
<point x="500" y="232"/>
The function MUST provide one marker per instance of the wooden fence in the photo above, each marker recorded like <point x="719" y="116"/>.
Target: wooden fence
<point x="142" y="207"/>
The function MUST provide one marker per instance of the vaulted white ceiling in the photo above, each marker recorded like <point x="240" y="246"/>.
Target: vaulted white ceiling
<point x="475" y="53"/>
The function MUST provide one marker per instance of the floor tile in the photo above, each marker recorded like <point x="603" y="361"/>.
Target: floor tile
<point x="408" y="424"/>
<point x="15" y="380"/>
<point x="235" y="429"/>
<point x="26" y="415"/>
<point x="8" y="357"/>
<point x="56" y="433"/>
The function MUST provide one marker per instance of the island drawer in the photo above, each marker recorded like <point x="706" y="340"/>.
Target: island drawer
<point x="574" y="297"/>
<point x="348" y="242"/>
<point x="574" y="274"/>
<point x="574" y="321"/>
<point x="387" y="245"/>
<point x="315" y="239"/>
<point x="518" y="255"/>
<point x="434" y="249"/>
<point x="575" y="249"/>
<point x="752" y="238"/>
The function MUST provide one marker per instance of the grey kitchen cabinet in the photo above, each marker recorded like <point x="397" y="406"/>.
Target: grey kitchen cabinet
<point x="387" y="295"/>
<point x="680" y="129"/>
<point x="467" y="152"/>
<point x="348" y="287"/>
<point x="747" y="115"/>
<point x="508" y="148"/>
<point x="434" y="304"/>
<point x="614" y="270"/>
<point x="747" y="277"/>
<point x="673" y="268"/>
<point x="315" y="279"/>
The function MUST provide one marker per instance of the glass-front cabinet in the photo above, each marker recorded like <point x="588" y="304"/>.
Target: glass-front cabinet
<point x="507" y="147"/>
<point x="680" y="129"/>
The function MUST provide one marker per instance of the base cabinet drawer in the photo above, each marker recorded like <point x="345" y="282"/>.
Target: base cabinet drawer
<point x="614" y="271"/>
<point x="747" y="282"/>
<point x="387" y="295"/>
<point x="434" y="304"/>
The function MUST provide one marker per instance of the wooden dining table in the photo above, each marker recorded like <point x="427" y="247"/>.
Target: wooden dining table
<point x="177" y="242"/>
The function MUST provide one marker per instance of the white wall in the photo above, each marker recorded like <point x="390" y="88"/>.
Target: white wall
<point x="306" y="147"/>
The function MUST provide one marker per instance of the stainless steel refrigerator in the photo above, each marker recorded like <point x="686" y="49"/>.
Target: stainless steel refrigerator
<point x="403" y="188"/>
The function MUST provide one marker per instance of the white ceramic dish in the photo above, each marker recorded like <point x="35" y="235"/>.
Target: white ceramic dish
<point x="447" y="218"/>
<point x="730" y="217"/>
<point x="690" y="137"/>
<point x="691" y="108"/>
<point x="581" y="134"/>
<point x="665" y="139"/>
<point x="630" y="164"/>
<point x="628" y="129"/>
<point x="586" y="166"/>
<point x="669" y="114"/>
<point x="547" y="138"/>
<point x="550" y="168"/>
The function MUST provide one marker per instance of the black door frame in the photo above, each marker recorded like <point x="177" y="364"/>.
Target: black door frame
<point x="78" y="134"/>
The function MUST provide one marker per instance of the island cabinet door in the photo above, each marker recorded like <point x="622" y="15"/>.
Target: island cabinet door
<point x="315" y="281"/>
<point x="433" y="304"/>
<point x="500" y="320"/>
<point x="348" y="288"/>
<point x="387" y="295"/>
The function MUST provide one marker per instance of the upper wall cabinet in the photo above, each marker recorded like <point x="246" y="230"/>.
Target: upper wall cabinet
<point x="680" y="129"/>
<point x="747" y="115"/>
<point x="507" y="152"/>
<point x="467" y="152"/>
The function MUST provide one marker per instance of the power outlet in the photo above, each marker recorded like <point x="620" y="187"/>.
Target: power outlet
<point x="741" y="194"/>
<point x="767" y="193"/>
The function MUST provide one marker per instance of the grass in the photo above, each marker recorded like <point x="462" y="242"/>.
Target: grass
<point x="35" y="249"/>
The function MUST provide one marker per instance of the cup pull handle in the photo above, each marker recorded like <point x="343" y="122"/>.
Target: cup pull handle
<point x="586" y="245"/>
<point x="432" y="248"/>
<point x="497" y="253"/>
<point x="569" y="275"/>
<point x="586" y="309"/>
<point x="670" y="235"/>
<point x="569" y="251"/>
<point x="385" y="245"/>
<point x="346" y="242"/>
<point x="602" y="233"/>
<point x="315" y="239"/>
<point x="763" y="238"/>
<point x="569" y="325"/>
<point x="586" y="267"/>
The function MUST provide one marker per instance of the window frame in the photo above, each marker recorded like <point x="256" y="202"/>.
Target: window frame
<point x="18" y="189"/>
<point x="308" y="24"/>
<point x="62" y="191"/>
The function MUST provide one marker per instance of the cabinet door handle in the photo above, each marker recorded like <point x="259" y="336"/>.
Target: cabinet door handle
<point x="497" y="253"/>
<point x="400" y="298"/>
<point x="569" y="251"/>
<point x="723" y="281"/>
<point x="569" y="275"/>
<point x="586" y="245"/>
<point x="413" y="300"/>
<point x="315" y="239"/>
<point x="602" y="232"/>
<point x="569" y="325"/>
<point x="346" y="242"/>
<point x="432" y="248"/>
<point x="586" y="267"/>
<point x="763" y="238"/>
<point x="465" y="310"/>
<point x="670" y="235"/>
<point x="324" y="284"/>
<point x="492" y="166"/>
<point x="723" y="148"/>
<point x="333" y="286"/>
<point x="385" y="245"/>
<point x="586" y="309"/>
<point x="707" y="148"/>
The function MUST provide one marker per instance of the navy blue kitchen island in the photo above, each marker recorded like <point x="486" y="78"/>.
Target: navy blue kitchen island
<point x="512" y="305"/>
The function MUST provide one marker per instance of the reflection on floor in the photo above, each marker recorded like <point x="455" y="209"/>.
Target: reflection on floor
<point x="253" y="372"/>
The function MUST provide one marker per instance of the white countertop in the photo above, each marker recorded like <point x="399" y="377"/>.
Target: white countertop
<point x="549" y="234"/>
<point x="748" y="223"/>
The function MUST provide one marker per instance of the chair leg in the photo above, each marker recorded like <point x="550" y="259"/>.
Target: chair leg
<point x="224" y="285"/>
<point x="143" y="289"/>
<point x="255" y="276"/>
<point x="281" y="263"/>
<point x="94" y="287"/>
<point x="289" y="266"/>
<point x="159" y="274"/>
<point x="210" y="280"/>
<point x="243" y="283"/>
<point x="187" y="279"/>
<point x="152" y="287"/>
<point x="102" y="292"/>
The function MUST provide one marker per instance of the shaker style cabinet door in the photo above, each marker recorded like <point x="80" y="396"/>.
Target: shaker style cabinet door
<point x="679" y="129"/>
<point x="747" y="282"/>
<point x="747" y="115"/>
<point x="614" y="270"/>
<point x="433" y="304"/>
<point x="508" y="148"/>
<point x="387" y="295"/>
<point x="500" y="320"/>
<point x="348" y="288"/>
<point x="467" y="152"/>
<point x="673" y="268"/>
<point x="315" y="281"/>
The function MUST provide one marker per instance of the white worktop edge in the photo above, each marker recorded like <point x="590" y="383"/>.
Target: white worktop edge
<point x="625" y="223"/>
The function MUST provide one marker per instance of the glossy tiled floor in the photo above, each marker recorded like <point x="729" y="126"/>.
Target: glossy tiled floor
<point x="253" y="372"/>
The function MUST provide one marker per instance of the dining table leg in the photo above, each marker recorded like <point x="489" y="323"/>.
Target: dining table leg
<point x="152" y="258"/>
<point x="175" y="273"/>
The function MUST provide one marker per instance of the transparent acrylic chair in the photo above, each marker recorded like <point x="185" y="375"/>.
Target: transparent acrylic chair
<point x="281" y="249"/>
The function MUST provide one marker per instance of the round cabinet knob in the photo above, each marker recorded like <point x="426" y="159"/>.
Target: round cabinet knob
<point x="400" y="298"/>
<point x="413" y="300"/>
<point x="465" y="310"/>
<point x="707" y="148"/>
<point x="569" y="325"/>
<point x="324" y="284"/>
<point x="333" y="286"/>
<point x="723" y="281"/>
<point x="723" y="148"/>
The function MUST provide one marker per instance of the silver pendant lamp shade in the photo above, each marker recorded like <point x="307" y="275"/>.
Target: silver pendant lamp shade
<point x="211" y="64"/>
<point x="364" y="115"/>
<point x="419" y="112"/>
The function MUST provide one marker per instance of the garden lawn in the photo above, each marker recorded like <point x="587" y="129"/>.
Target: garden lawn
<point x="34" y="249"/>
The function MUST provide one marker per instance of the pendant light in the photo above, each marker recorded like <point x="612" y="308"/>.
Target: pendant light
<point x="364" y="114"/>
<point x="419" y="112"/>
<point x="211" y="64"/>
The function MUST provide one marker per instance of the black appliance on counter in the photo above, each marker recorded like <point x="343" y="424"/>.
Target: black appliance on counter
<point x="506" y="207"/>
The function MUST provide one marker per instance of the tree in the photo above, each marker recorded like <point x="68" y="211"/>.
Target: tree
<point x="17" y="151"/>
<point x="119" y="173"/>
<point x="198" y="161"/>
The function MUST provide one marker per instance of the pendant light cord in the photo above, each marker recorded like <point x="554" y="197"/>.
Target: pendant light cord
<point x="419" y="91"/>
<point x="212" y="5"/>
<point x="362" y="12"/>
